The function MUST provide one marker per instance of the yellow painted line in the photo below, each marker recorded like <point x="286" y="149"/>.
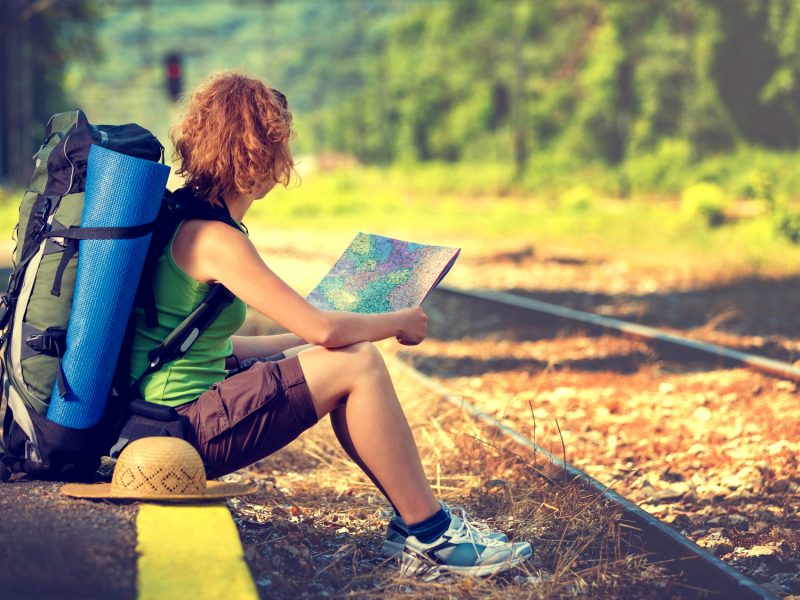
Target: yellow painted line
<point x="192" y="552"/>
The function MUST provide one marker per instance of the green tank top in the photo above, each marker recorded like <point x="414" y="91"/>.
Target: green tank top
<point x="185" y="378"/>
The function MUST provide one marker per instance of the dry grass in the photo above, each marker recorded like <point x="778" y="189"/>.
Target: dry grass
<point x="316" y="526"/>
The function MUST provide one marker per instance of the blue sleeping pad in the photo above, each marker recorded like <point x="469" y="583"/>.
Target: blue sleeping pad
<point x="121" y="191"/>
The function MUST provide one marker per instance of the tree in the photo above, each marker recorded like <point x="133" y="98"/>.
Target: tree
<point x="37" y="37"/>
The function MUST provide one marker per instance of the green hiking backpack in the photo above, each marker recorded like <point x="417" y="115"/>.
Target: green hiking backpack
<point x="35" y="310"/>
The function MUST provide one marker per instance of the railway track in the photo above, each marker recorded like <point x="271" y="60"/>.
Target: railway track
<point x="650" y="335"/>
<point x="703" y="569"/>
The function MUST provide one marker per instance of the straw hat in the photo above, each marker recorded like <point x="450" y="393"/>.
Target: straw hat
<point x="166" y="469"/>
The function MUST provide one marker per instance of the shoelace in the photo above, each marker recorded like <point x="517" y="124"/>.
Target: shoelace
<point x="475" y="526"/>
<point x="467" y="530"/>
<point x="472" y="533"/>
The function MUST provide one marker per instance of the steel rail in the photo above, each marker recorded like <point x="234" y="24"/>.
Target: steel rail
<point x="642" y="332"/>
<point x="702" y="567"/>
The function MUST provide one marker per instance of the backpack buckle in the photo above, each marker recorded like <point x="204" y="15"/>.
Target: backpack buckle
<point x="45" y="228"/>
<point x="51" y="343"/>
<point x="32" y="453"/>
<point x="38" y="342"/>
<point x="44" y="208"/>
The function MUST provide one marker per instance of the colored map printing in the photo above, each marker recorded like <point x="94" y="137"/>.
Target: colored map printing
<point x="379" y="274"/>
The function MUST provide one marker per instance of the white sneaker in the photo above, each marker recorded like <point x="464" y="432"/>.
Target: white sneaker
<point x="462" y="550"/>
<point x="397" y="531"/>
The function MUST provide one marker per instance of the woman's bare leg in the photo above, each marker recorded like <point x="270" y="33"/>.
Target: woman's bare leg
<point x="354" y="382"/>
<point x="339" y="424"/>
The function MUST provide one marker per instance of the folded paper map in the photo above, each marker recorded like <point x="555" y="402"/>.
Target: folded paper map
<point x="379" y="274"/>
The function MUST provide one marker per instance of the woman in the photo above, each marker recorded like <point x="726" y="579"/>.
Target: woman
<point x="233" y="148"/>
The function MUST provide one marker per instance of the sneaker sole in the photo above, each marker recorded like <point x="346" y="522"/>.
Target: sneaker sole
<point x="428" y="571"/>
<point x="395" y="549"/>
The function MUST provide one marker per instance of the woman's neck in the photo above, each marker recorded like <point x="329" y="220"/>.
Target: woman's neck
<point x="238" y="207"/>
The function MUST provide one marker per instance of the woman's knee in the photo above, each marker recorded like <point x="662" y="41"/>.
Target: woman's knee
<point x="333" y="373"/>
<point x="366" y="358"/>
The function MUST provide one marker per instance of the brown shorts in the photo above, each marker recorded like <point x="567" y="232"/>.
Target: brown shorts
<point x="249" y="415"/>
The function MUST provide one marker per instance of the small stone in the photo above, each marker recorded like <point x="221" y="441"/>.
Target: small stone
<point x="668" y="475"/>
<point x="777" y="447"/>
<point x="528" y="580"/>
<point x="711" y="491"/>
<point x="702" y="414"/>
<point x="670" y="493"/>
<point x="666" y="388"/>
<point x="731" y="481"/>
<point x="563" y="393"/>
<point x="678" y="521"/>
<point x="759" y="551"/>
<point x="759" y="526"/>
<point x="741" y="522"/>
<point x="717" y="544"/>
<point x="697" y="449"/>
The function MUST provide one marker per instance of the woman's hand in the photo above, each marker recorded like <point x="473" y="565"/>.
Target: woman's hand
<point x="211" y="251"/>
<point x="413" y="326"/>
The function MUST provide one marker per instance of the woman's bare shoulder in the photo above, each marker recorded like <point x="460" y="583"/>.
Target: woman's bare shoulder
<point x="201" y="246"/>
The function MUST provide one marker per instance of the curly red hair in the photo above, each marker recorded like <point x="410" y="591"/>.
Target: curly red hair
<point x="233" y="136"/>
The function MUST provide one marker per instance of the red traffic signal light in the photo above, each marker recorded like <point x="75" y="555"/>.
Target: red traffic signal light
<point x="174" y="73"/>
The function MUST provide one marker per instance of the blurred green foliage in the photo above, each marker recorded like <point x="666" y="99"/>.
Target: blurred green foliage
<point x="36" y="38"/>
<point x="572" y="101"/>
<point x="705" y="201"/>
<point x="638" y="96"/>
<point x="413" y="202"/>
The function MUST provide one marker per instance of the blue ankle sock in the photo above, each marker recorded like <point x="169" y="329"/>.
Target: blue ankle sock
<point x="431" y="528"/>
<point x="400" y="522"/>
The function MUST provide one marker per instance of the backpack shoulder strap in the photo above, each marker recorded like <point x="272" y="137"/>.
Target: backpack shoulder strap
<point x="176" y="207"/>
<point x="181" y="339"/>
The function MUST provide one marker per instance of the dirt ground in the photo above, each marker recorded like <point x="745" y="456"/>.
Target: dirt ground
<point x="316" y="526"/>
<point x="711" y="449"/>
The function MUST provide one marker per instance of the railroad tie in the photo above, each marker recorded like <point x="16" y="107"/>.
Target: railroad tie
<point x="190" y="551"/>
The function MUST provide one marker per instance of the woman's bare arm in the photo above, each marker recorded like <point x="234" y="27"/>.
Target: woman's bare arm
<point x="258" y="346"/>
<point x="213" y="251"/>
<point x="252" y="346"/>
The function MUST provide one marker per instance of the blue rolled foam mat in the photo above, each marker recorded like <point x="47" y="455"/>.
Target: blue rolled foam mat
<point x="121" y="191"/>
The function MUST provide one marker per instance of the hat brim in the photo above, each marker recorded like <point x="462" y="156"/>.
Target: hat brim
<point x="215" y="490"/>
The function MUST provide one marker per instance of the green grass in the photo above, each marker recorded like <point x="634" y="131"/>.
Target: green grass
<point x="440" y="204"/>
<point x="643" y="230"/>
